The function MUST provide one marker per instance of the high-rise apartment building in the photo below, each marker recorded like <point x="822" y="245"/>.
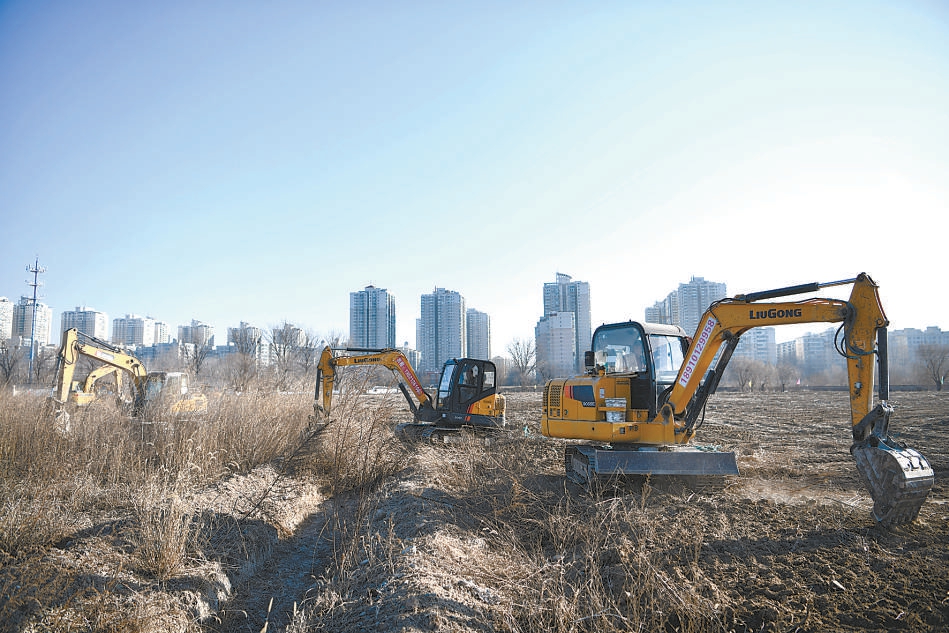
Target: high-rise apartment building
<point x="88" y="321"/>
<point x="694" y="299"/>
<point x="686" y="305"/>
<point x="566" y="295"/>
<point x="665" y="311"/>
<point x="162" y="333"/>
<point x="6" y="319"/>
<point x="904" y="345"/>
<point x="371" y="318"/>
<point x="133" y="330"/>
<point x="479" y="334"/>
<point x="441" y="331"/>
<point x="812" y="353"/>
<point x="22" y="328"/>
<point x="250" y="341"/>
<point x="198" y="333"/>
<point x="758" y="344"/>
<point x="555" y="337"/>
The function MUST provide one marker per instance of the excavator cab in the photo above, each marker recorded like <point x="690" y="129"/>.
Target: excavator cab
<point x="467" y="394"/>
<point x="170" y="390"/>
<point x="647" y="355"/>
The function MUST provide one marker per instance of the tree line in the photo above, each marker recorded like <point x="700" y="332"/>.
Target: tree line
<point x="292" y="354"/>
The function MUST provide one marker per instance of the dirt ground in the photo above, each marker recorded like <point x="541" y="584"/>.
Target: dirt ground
<point x="478" y="538"/>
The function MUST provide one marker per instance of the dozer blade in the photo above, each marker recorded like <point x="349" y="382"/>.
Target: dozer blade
<point x="411" y="433"/>
<point x="585" y="463"/>
<point x="898" y="478"/>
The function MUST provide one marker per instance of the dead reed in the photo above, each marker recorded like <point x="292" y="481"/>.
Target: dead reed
<point x="110" y="475"/>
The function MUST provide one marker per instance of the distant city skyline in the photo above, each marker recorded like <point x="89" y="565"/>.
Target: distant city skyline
<point x="783" y="334"/>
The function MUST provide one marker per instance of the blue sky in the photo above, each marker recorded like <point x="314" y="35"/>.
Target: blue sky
<point x="259" y="161"/>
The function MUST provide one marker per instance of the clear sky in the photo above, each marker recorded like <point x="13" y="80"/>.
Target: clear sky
<point x="258" y="161"/>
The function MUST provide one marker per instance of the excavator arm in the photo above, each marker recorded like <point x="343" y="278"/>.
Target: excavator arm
<point x="725" y="321"/>
<point x="391" y="359"/>
<point x="898" y="478"/>
<point x="75" y="345"/>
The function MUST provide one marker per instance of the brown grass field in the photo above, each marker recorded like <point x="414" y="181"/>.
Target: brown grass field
<point x="253" y="520"/>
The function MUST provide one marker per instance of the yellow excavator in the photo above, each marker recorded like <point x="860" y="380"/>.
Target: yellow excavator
<point x="467" y="396"/>
<point x="644" y="395"/>
<point x="169" y="390"/>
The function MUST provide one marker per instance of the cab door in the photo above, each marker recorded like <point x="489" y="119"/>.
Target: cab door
<point x="464" y="382"/>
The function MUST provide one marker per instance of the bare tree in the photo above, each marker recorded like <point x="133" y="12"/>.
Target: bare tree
<point x="523" y="360"/>
<point x="285" y="343"/>
<point x="44" y="362"/>
<point x="742" y="372"/>
<point x="935" y="361"/>
<point x="194" y="356"/>
<point x="336" y="338"/>
<point x="10" y="357"/>
<point x="787" y="373"/>
<point x="243" y="362"/>
<point x="309" y="352"/>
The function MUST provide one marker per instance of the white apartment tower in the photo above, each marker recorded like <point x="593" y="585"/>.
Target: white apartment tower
<point x="758" y="344"/>
<point x="249" y="340"/>
<point x="566" y="295"/>
<point x="441" y="331"/>
<point x="665" y="311"/>
<point x="371" y="318"/>
<point x="198" y="333"/>
<point x="479" y="334"/>
<point x="133" y="330"/>
<point x="22" y="327"/>
<point x="162" y="333"/>
<point x="88" y="321"/>
<point x="6" y="319"/>
<point x="694" y="299"/>
<point x="555" y="337"/>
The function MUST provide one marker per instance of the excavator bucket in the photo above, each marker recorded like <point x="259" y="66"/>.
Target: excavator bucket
<point x="898" y="478"/>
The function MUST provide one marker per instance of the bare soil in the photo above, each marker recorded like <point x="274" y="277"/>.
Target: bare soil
<point x="479" y="538"/>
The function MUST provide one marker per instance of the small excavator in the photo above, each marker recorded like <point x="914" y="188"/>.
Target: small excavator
<point x="644" y="395"/>
<point x="466" y="399"/>
<point x="169" y="390"/>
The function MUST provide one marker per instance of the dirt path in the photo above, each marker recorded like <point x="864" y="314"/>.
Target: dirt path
<point x="279" y="588"/>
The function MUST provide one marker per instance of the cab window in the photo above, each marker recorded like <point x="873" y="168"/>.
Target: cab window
<point x="469" y="381"/>
<point x="667" y="356"/>
<point x="620" y="350"/>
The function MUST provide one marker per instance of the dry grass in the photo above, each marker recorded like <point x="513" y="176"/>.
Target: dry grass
<point x="99" y="529"/>
<point x="123" y="486"/>
<point x="534" y="553"/>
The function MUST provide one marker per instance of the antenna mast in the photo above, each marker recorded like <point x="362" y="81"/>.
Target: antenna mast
<point x="35" y="284"/>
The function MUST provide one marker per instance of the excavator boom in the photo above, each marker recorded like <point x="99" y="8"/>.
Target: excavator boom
<point x="391" y="359"/>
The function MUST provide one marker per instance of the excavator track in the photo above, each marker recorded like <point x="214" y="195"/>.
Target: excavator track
<point x="898" y="478"/>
